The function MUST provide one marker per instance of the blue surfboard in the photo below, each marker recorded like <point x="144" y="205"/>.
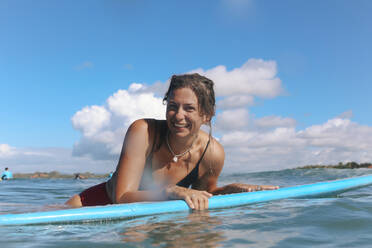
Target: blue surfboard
<point x="121" y="211"/>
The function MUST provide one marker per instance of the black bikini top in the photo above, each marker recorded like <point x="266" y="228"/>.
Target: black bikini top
<point x="190" y="178"/>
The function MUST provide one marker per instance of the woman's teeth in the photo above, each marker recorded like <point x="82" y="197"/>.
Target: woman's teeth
<point x="180" y="125"/>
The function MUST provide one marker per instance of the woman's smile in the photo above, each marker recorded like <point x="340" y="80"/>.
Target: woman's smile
<point x="180" y="126"/>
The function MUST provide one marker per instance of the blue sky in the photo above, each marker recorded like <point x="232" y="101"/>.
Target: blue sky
<point x="59" y="57"/>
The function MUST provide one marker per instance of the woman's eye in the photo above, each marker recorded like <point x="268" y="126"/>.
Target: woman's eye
<point x="172" y="107"/>
<point x="190" y="109"/>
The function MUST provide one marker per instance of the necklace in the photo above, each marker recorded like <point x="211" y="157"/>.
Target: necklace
<point x="175" y="156"/>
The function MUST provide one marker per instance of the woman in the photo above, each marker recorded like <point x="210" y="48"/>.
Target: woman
<point x="161" y="159"/>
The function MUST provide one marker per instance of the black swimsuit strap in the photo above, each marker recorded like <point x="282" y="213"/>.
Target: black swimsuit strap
<point x="159" y="131"/>
<point x="155" y="137"/>
<point x="190" y="178"/>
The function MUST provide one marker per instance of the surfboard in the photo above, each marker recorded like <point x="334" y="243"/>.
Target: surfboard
<point x="128" y="210"/>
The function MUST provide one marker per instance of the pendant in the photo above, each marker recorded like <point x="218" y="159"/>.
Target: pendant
<point x="175" y="159"/>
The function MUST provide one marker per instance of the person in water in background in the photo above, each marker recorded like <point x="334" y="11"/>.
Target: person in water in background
<point x="6" y="174"/>
<point x="110" y="175"/>
<point x="161" y="159"/>
<point x="78" y="176"/>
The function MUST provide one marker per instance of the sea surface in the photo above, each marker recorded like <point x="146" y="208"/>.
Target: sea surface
<point x="343" y="220"/>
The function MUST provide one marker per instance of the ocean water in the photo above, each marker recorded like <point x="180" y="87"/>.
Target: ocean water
<point x="343" y="220"/>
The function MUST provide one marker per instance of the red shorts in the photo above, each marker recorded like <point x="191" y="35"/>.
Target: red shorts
<point x="95" y="196"/>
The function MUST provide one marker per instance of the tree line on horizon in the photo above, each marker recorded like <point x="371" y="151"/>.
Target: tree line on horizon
<point x="348" y="165"/>
<point x="56" y="174"/>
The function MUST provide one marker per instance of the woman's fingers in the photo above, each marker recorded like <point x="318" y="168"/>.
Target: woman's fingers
<point x="269" y="187"/>
<point x="195" y="201"/>
<point x="198" y="201"/>
<point x="206" y="202"/>
<point x="207" y="194"/>
<point x="251" y="188"/>
<point x="190" y="202"/>
<point x="264" y="187"/>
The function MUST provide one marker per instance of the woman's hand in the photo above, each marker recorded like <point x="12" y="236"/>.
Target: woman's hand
<point x="241" y="187"/>
<point x="195" y="199"/>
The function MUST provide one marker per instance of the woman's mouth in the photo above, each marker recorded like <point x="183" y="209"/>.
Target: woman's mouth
<point x="178" y="125"/>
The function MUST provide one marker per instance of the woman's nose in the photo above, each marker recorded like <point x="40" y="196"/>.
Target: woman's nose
<point x="180" y="114"/>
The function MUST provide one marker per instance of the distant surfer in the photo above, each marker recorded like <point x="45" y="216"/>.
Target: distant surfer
<point x="78" y="176"/>
<point x="6" y="175"/>
<point x="172" y="158"/>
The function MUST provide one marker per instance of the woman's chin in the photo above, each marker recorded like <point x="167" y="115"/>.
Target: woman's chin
<point x="181" y="133"/>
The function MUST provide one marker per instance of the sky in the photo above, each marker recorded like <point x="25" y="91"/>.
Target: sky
<point x="292" y="78"/>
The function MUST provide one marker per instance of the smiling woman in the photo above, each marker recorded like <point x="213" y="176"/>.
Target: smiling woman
<point x="161" y="159"/>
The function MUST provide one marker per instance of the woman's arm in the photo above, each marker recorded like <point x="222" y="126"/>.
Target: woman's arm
<point x="137" y="145"/>
<point x="241" y="187"/>
<point x="213" y="165"/>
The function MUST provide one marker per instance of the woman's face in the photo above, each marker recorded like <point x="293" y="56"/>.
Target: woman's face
<point x="183" y="115"/>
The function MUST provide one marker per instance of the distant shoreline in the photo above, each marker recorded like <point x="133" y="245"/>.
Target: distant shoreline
<point x="56" y="174"/>
<point x="86" y="175"/>
<point x="349" y="165"/>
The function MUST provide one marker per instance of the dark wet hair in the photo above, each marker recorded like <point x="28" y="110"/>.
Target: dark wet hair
<point x="201" y="86"/>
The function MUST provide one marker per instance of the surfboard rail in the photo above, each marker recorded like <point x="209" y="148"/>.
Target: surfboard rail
<point x="128" y="210"/>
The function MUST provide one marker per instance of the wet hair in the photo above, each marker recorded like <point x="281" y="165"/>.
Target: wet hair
<point x="201" y="86"/>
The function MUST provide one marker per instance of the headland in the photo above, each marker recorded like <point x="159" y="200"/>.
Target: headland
<point x="348" y="165"/>
<point x="56" y="174"/>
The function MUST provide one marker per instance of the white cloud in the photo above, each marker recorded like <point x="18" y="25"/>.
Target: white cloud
<point x="252" y="139"/>
<point x="275" y="121"/>
<point x="159" y="88"/>
<point x="346" y="115"/>
<point x="234" y="119"/>
<point x="337" y="140"/>
<point x="135" y="106"/>
<point x="6" y="150"/>
<point x="255" y="78"/>
<point x="134" y="87"/>
<point x="339" y="134"/>
<point x="90" y="120"/>
<point x="103" y="127"/>
<point x="235" y="101"/>
<point x="29" y="160"/>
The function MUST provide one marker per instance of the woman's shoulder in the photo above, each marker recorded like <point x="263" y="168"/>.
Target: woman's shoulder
<point x="215" y="151"/>
<point x="151" y="129"/>
<point x="146" y="124"/>
<point x="213" y="159"/>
